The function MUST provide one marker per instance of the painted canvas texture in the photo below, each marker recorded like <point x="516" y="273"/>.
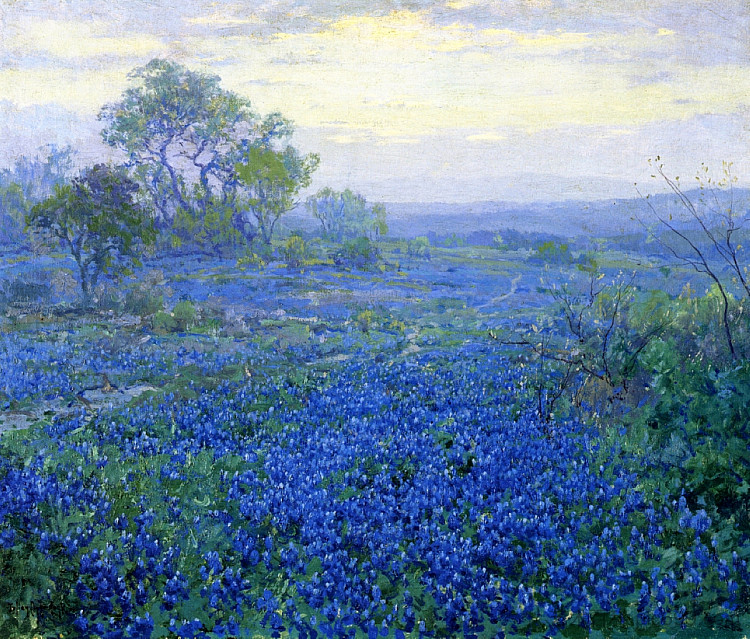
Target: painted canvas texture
<point x="385" y="319"/>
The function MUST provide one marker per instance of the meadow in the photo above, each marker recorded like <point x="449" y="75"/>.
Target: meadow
<point x="225" y="448"/>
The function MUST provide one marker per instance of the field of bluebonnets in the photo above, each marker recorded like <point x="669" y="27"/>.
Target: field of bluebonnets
<point x="218" y="421"/>
<point x="321" y="451"/>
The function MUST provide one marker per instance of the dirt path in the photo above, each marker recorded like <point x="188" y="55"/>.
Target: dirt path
<point x="513" y="288"/>
<point x="93" y="400"/>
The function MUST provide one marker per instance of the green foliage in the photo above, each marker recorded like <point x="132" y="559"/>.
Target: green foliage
<point x="585" y="350"/>
<point x="663" y="367"/>
<point x="174" y="114"/>
<point x="26" y="183"/>
<point x="295" y="251"/>
<point x="14" y="207"/>
<point x="552" y="252"/>
<point x="212" y="231"/>
<point x="98" y="220"/>
<point x="146" y="297"/>
<point x="346" y="214"/>
<point x="184" y="314"/>
<point x="365" y="320"/>
<point x="419" y="247"/>
<point x="258" y="258"/>
<point x="499" y="243"/>
<point x="216" y="172"/>
<point x="357" y="253"/>
<point x="706" y="233"/>
<point x="163" y="322"/>
<point x="454" y="241"/>
<point x="272" y="179"/>
<point x="697" y="423"/>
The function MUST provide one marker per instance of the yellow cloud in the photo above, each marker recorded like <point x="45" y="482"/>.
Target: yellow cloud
<point x="400" y="77"/>
<point x="70" y="39"/>
<point x="80" y="91"/>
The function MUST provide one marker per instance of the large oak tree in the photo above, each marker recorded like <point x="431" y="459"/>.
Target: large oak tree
<point x="184" y="135"/>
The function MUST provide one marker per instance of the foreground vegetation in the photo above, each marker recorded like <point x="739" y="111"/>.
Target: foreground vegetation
<point x="368" y="454"/>
<point x="216" y="425"/>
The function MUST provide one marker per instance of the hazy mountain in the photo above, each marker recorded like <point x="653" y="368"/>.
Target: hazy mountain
<point x="568" y="219"/>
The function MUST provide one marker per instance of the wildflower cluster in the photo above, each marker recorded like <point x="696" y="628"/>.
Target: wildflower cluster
<point x="401" y="499"/>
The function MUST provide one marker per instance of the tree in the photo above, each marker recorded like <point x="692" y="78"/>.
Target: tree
<point x="172" y="126"/>
<point x="27" y="182"/>
<point x="271" y="180"/>
<point x="705" y="234"/>
<point x="184" y="136"/>
<point x="97" y="219"/>
<point x="590" y="343"/>
<point x="345" y="214"/>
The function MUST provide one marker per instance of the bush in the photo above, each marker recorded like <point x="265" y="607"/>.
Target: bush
<point x="163" y="322"/>
<point x="146" y="297"/>
<point x="184" y="314"/>
<point x="23" y="291"/>
<point x="143" y="302"/>
<point x="37" y="288"/>
<point x="365" y="320"/>
<point x="419" y="247"/>
<point x="552" y="253"/>
<point x="295" y="251"/>
<point x="358" y="253"/>
<point x="108" y="298"/>
<point x="251" y="260"/>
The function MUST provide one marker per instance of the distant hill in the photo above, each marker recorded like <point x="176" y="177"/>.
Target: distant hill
<point x="602" y="218"/>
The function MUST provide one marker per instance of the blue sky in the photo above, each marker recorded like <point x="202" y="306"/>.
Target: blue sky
<point x="459" y="100"/>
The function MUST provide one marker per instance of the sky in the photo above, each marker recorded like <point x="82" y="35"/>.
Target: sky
<point x="450" y="100"/>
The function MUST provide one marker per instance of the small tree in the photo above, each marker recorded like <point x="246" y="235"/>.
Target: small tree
<point x="271" y="180"/>
<point x="590" y="344"/>
<point x="419" y="247"/>
<point x="27" y="182"/>
<point x="346" y="214"/>
<point x="705" y="233"/>
<point x="98" y="220"/>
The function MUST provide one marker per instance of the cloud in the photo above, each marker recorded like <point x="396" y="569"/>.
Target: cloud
<point x="422" y="95"/>
<point x="221" y="19"/>
<point x="70" y="40"/>
<point x="403" y="75"/>
<point x="81" y="91"/>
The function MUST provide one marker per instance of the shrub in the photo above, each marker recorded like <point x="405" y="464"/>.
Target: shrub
<point x="551" y="252"/>
<point x="23" y="291"/>
<point x="255" y="260"/>
<point x="143" y="301"/>
<point x="358" y="253"/>
<point x="108" y="298"/>
<point x="163" y="322"/>
<point x="419" y="247"/>
<point x="365" y="320"/>
<point x="184" y="314"/>
<point x="295" y="251"/>
<point x="37" y="288"/>
<point x="146" y="297"/>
